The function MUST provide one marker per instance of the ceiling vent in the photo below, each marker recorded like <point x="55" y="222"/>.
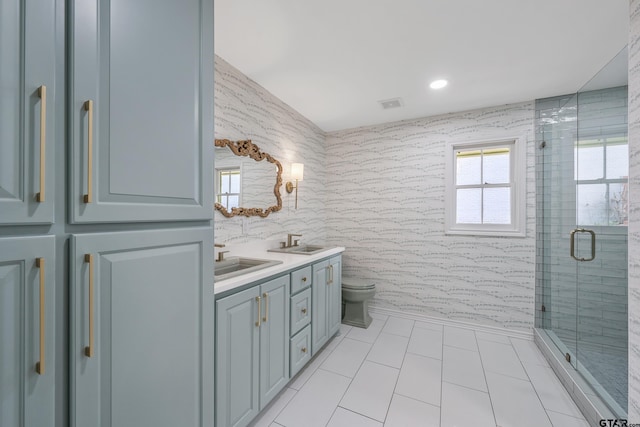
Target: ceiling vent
<point x="391" y="103"/>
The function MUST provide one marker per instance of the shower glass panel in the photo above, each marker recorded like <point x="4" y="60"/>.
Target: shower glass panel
<point x="582" y="171"/>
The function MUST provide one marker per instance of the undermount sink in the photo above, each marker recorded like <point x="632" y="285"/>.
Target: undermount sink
<point x="300" y="249"/>
<point x="235" y="266"/>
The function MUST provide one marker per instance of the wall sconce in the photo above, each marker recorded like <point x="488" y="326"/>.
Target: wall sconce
<point x="297" y="173"/>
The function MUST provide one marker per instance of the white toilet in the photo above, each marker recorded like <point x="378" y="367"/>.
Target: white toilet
<point x="356" y="294"/>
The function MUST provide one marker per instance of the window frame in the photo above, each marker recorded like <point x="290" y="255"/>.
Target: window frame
<point x="218" y="182"/>
<point x="517" y="228"/>
<point x="603" y="141"/>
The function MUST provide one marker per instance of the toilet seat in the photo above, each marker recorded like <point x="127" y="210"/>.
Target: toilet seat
<point x="356" y="285"/>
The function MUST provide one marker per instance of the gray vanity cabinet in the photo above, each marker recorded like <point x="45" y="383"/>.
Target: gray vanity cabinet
<point x="141" y="343"/>
<point x="27" y="308"/>
<point x="140" y="110"/>
<point x="252" y="358"/>
<point x="27" y="52"/>
<point x="334" y="298"/>
<point x="327" y="301"/>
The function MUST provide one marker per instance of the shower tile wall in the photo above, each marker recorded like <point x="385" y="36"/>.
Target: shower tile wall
<point x="634" y="211"/>
<point x="601" y="284"/>
<point x="246" y="110"/>
<point x="386" y="198"/>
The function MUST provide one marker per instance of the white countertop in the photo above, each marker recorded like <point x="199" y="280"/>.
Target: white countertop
<point x="289" y="261"/>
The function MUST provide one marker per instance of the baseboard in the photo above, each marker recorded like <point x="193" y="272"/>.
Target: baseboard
<point x="454" y="323"/>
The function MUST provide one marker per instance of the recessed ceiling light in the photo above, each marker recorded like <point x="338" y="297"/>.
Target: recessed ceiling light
<point x="438" y="84"/>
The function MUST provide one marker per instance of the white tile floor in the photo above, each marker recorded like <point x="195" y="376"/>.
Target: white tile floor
<point x="401" y="373"/>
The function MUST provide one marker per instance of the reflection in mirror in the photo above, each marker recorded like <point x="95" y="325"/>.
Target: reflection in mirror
<point x="247" y="180"/>
<point x="228" y="187"/>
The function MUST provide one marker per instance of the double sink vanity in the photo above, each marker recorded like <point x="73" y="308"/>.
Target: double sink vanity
<point x="275" y="309"/>
<point x="276" y="305"/>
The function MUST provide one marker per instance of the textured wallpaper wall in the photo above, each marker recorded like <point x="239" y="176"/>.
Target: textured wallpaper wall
<point x="386" y="204"/>
<point x="634" y="211"/>
<point x="245" y="110"/>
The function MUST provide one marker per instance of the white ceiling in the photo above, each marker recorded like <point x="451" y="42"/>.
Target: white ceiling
<point x="333" y="60"/>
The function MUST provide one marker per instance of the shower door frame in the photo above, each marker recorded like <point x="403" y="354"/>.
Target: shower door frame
<point x="591" y="397"/>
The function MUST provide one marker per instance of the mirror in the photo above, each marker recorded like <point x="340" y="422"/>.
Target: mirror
<point x="246" y="176"/>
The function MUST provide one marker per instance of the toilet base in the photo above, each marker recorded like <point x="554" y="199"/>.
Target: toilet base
<point x="357" y="314"/>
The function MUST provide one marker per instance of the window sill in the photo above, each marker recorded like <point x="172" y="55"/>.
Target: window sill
<point x="485" y="232"/>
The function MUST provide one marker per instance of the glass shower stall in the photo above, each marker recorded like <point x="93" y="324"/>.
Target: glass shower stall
<point x="582" y="165"/>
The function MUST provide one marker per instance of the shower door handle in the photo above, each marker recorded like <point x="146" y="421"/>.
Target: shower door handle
<point x="573" y="244"/>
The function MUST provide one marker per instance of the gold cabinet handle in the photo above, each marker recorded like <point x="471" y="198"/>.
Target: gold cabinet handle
<point x="304" y="311"/>
<point x="88" y="350"/>
<point x="330" y="281"/>
<point x="304" y="279"/>
<point x="303" y="349"/>
<point x="40" y="364"/>
<point x="266" y="307"/>
<point x="42" y="93"/>
<point x="259" y="310"/>
<point x="88" y="106"/>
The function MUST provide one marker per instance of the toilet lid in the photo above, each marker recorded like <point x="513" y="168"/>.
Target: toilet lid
<point x="361" y="286"/>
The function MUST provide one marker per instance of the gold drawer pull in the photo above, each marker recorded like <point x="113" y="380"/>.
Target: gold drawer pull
<point x="88" y="350"/>
<point x="266" y="307"/>
<point x="88" y="106"/>
<point x="304" y="311"/>
<point x="259" y="310"/>
<point x="42" y="93"/>
<point x="40" y="364"/>
<point x="303" y="349"/>
<point x="304" y="279"/>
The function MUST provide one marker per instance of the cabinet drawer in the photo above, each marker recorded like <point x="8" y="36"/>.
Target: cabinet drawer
<point x="300" y="279"/>
<point x="300" y="350"/>
<point x="300" y="311"/>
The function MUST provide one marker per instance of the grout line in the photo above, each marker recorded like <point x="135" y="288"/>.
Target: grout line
<point x="467" y="387"/>
<point x="358" y="413"/>
<point x="531" y="382"/>
<point x="273" y="402"/>
<point x="484" y="374"/>
<point x="393" y="393"/>
<point x="335" y="373"/>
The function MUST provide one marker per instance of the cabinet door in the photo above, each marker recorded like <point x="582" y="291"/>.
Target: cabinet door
<point x="141" y="343"/>
<point x="141" y="110"/>
<point x="334" y="311"/>
<point x="274" y="338"/>
<point x="27" y="49"/>
<point x="27" y="304"/>
<point x="237" y="358"/>
<point x="320" y="292"/>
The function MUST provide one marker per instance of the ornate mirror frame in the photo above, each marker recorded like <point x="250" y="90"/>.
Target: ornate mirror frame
<point x="249" y="149"/>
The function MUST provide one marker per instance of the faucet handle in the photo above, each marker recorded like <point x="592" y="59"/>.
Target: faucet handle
<point x="283" y="245"/>
<point x="295" y="242"/>
<point x="221" y="256"/>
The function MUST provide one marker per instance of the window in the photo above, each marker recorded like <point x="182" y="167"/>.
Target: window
<point x="228" y="187"/>
<point x="601" y="173"/>
<point x="486" y="188"/>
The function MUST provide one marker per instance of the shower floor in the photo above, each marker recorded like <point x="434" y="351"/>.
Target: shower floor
<point x="610" y="369"/>
<point x="606" y="366"/>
